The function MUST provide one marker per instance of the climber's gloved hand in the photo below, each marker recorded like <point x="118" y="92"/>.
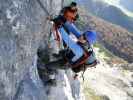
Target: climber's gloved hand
<point x="50" y="18"/>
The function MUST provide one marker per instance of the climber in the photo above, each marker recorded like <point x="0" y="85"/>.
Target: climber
<point x="74" y="52"/>
<point x="74" y="47"/>
<point x="67" y="28"/>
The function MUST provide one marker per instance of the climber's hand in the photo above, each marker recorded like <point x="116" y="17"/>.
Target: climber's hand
<point x="49" y="18"/>
<point x="81" y="39"/>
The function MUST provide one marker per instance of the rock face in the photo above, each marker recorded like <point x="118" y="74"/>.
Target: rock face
<point x="22" y="26"/>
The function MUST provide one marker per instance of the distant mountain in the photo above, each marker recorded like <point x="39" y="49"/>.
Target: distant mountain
<point x="115" y="38"/>
<point x="124" y="5"/>
<point x="128" y="4"/>
<point x="109" y="13"/>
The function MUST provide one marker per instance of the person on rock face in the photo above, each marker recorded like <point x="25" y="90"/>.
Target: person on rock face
<point x="64" y="23"/>
<point x="80" y="39"/>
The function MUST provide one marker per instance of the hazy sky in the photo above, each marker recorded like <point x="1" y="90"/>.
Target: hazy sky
<point x="122" y="6"/>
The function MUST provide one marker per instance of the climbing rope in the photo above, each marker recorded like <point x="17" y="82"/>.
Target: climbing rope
<point x="83" y="72"/>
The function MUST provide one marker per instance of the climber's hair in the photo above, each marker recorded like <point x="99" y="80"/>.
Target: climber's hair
<point x="73" y="4"/>
<point x="69" y="9"/>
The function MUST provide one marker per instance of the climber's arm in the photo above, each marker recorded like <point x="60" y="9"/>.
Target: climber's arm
<point x="72" y="28"/>
<point x="77" y="50"/>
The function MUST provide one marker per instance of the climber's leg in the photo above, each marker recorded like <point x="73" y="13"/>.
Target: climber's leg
<point x="46" y="75"/>
<point x="58" y="64"/>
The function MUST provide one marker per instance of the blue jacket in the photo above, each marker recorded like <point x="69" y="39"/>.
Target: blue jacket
<point x="77" y="49"/>
<point x="72" y="28"/>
